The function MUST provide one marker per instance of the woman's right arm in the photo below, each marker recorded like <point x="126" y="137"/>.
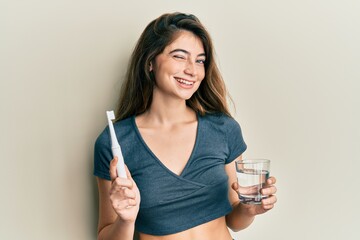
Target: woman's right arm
<point x="119" y="201"/>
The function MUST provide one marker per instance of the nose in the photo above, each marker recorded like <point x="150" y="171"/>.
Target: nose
<point x="190" y="69"/>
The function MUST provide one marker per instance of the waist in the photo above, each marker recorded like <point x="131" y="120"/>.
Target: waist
<point x="213" y="230"/>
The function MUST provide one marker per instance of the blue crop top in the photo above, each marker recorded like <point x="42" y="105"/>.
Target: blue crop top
<point x="171" y="203"/>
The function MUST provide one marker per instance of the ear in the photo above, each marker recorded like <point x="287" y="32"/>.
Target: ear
<point x="150" y="67"/>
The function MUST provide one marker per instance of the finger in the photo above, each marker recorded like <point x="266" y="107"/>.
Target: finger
<point x="268" y="207"/>
<point x="132" y="202"/>
<point x="112" y="170"/>
<point x="124" y="204"/>
<point x="120" y="183"/>
<point x="269" y="190"/>
<point x="128" y="174"/>
<point x="129" y="193"/>
<point x="271" y="180"/>
<point x="269" y="201"/>
<point x="235" y="186"/>
<point x="122" y="192"/>
<point x="248" y="190"/>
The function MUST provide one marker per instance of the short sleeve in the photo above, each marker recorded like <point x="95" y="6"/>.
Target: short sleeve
<point x="235" y="140"/>
<point x="102" y="156"/>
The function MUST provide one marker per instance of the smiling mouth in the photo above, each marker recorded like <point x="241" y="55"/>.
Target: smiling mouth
<point x="183" y="81"/>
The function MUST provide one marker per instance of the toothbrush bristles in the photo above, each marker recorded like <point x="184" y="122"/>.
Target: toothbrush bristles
<point x="110" y="115"/>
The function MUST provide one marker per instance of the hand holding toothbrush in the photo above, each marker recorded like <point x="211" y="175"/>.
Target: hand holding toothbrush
<point x="115" y="146"/>
<point x="124" y="194"/>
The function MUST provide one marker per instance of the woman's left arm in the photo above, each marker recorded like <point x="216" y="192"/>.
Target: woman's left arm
<point x="243" y="215"/>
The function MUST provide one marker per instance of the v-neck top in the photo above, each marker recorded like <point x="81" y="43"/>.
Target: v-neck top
<point x="145" y="145"/>
<point x="171" y="203"/>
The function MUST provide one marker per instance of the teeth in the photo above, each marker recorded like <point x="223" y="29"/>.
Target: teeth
<point x="184" y="81"/>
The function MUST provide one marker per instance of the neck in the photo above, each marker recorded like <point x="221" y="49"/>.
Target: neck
<point x="169" y="111"/>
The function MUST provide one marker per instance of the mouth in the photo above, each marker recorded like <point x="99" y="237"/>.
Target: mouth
<point x="184" y="81"/>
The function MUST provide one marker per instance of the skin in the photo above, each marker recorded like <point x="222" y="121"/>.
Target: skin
<point x="168" y="124"/>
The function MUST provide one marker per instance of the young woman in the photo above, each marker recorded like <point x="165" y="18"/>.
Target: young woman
<point x="179" y="142"/>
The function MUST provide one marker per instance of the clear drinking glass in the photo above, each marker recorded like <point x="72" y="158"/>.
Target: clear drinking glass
<point x="251" y="176"/>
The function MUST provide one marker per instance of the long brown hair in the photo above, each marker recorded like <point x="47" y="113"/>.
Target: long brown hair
<point x="137" y="90"/>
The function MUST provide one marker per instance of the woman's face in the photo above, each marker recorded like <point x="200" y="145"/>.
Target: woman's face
<point x="180" y="68"/>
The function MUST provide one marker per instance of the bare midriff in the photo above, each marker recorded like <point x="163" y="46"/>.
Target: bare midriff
<point x="213" y="230"/>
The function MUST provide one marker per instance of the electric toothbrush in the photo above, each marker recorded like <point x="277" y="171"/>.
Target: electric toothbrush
<point x="115" y="146"/>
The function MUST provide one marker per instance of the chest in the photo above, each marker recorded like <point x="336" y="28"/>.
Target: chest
<point x="169" y="166"/>
<point x="172" y="146"/>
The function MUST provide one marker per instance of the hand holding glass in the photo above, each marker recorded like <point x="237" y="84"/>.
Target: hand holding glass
<point x="252" y="175"/>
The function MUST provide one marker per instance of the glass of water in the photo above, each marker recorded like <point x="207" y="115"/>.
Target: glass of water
<point x="251" y="176"/>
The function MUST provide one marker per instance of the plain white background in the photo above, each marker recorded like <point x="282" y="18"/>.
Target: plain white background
<point x="292" y="68"/>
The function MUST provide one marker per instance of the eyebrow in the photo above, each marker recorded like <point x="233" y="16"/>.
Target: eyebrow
<point x="186" y="52"/>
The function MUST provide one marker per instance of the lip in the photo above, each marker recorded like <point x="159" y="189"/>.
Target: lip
<point x="184" y="83"/>
<point x="178" y="79"/>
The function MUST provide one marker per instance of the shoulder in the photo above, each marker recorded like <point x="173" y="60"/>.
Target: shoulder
<point x="121" y="127"/>
<point x="221" y="124"/>
<point x="124" y="125"/>
<point x="220" y="120"/>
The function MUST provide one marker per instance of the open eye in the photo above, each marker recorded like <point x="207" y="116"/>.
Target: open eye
<point x="201" y="61"/>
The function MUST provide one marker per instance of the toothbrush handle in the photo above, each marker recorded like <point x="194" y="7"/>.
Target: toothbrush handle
<point x="120" y="164"/>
